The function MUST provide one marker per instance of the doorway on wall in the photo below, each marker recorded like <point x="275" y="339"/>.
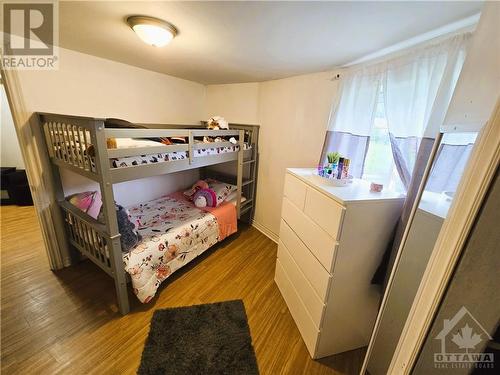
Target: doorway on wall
<point x="14" y="183"/>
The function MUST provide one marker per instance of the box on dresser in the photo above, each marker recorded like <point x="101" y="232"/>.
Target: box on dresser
<point x="331" y="242"/>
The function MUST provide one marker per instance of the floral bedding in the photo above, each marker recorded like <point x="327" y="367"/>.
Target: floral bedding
<point x="174" y="232"/>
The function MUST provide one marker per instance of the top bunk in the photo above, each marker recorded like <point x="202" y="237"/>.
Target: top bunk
<point x="114" y="151"/>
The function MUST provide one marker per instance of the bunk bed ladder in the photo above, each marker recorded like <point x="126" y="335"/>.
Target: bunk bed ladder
<point x="248" y="207"/>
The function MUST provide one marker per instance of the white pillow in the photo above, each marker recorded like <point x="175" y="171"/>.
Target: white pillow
<point x="221" y="189"/>
<point x="232" y="197"/>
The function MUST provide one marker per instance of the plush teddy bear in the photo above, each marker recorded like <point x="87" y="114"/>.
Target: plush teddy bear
<point x="217" y="122"/>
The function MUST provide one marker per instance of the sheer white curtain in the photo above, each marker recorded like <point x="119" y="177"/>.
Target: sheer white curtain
<point x="417" y="90"/>
<point x="349" y="127"/>
<point x="449" y="166"/>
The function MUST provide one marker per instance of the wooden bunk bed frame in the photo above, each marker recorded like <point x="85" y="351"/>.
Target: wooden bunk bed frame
<point x="68" y="139"/>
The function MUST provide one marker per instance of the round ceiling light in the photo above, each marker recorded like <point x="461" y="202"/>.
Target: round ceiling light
<point x="152" y="31"/>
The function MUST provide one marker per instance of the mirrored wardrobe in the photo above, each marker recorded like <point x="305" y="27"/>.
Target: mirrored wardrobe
<point x="471" y="106"/>
<point x="443" y="173"/>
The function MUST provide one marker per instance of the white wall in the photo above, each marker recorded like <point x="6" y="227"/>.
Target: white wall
<point x="293" y="114"/>
<point x="478" y="87"/>
<point x="90" y="86"/>
<point x="10" y="152"/>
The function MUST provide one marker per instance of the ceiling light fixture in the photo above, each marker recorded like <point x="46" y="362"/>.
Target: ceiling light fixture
<point x="152" y="31"/>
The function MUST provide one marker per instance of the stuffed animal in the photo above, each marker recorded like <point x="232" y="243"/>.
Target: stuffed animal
<point x="200" y="184"/>
<point x="200" y="201"/>
<point x="217" y="122"/>
<point x="205" y="198"/>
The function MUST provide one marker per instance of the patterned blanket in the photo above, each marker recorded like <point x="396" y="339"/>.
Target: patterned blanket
<point x="174" y="232"/>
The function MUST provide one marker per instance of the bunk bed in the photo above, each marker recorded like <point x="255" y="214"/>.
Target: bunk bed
<point x="81" y="145"/>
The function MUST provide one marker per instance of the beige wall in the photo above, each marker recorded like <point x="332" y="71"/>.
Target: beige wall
<point x="10" y="151"/>
<point x="293" y="114"/>
<point x="237" y="103"/>
<point x="91" y="86"/>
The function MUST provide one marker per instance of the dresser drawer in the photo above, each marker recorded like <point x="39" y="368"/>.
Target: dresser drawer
<point x="316" y="239"/>
<point x="324" y="211"/>
<point x="312" y="269"/>
<point x="307" y="329"/>
<point x="295" y="190"/>
<point x="301" y="286"/>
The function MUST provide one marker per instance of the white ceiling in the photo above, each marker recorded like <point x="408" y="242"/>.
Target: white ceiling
<point x="227" y="42"/>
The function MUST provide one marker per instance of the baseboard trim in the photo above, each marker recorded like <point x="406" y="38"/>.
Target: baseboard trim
<point x="265" y="231"/>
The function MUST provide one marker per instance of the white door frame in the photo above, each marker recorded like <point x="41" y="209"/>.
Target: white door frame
<point x="37" y="165"/>
<point x="470" y="194"/>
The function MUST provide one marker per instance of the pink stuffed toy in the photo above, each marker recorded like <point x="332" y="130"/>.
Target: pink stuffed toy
<point x="200" y="184"/>
<point x="205" y="198"/>
<point x="202" y="195"/>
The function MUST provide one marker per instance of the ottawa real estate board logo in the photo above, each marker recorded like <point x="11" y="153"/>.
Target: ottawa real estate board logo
<point x="30" y="35"/>
<point x="462" y="341"/>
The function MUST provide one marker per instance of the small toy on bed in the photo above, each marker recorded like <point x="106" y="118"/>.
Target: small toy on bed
<point x="200" y="184"/>
<point x="217" y="122"/>
<point x="205" y="198"/>
<point x="215" y="192"/>
<point x="212" y="139"/>
<point x="202" y="195"/>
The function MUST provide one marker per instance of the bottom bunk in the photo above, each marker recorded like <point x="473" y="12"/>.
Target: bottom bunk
<point x="160" y="236"/>
<point x="174" y="232"/>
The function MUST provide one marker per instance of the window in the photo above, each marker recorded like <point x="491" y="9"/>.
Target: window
<point x="379" y="163"/>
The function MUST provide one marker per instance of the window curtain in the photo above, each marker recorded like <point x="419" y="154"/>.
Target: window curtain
<point x="349" y="127"/>
<point x="417" y="90"/>
<point x="451" y="159"/>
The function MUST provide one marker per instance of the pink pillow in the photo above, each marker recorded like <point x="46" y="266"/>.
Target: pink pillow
<point x="89" y="202"/>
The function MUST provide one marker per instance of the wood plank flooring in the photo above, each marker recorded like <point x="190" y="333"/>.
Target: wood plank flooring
<point x="67" y="322"/>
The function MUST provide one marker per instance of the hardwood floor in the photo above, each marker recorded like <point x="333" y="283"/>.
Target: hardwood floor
<point x="67" y="321"/>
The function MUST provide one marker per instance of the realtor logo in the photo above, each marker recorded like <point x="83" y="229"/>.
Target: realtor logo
<point x="462" y="341"/>
<point x="29" y="35"/>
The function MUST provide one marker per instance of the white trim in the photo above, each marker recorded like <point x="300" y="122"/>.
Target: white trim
<point x="38" y="169"/>
<point x="266" y="231"/>
<point x="471" y="191"/>
<point x="460" y="25"/>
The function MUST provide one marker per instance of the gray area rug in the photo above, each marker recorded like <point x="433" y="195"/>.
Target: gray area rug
<point x="203" y="339"/>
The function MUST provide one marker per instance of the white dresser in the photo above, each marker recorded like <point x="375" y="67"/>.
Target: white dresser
<point x="331" y="241"/>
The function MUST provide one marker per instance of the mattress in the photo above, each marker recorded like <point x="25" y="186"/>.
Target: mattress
<point x="172" y="156"/>
<point x="129" y="161"/>
<point x="174" y="232"/>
